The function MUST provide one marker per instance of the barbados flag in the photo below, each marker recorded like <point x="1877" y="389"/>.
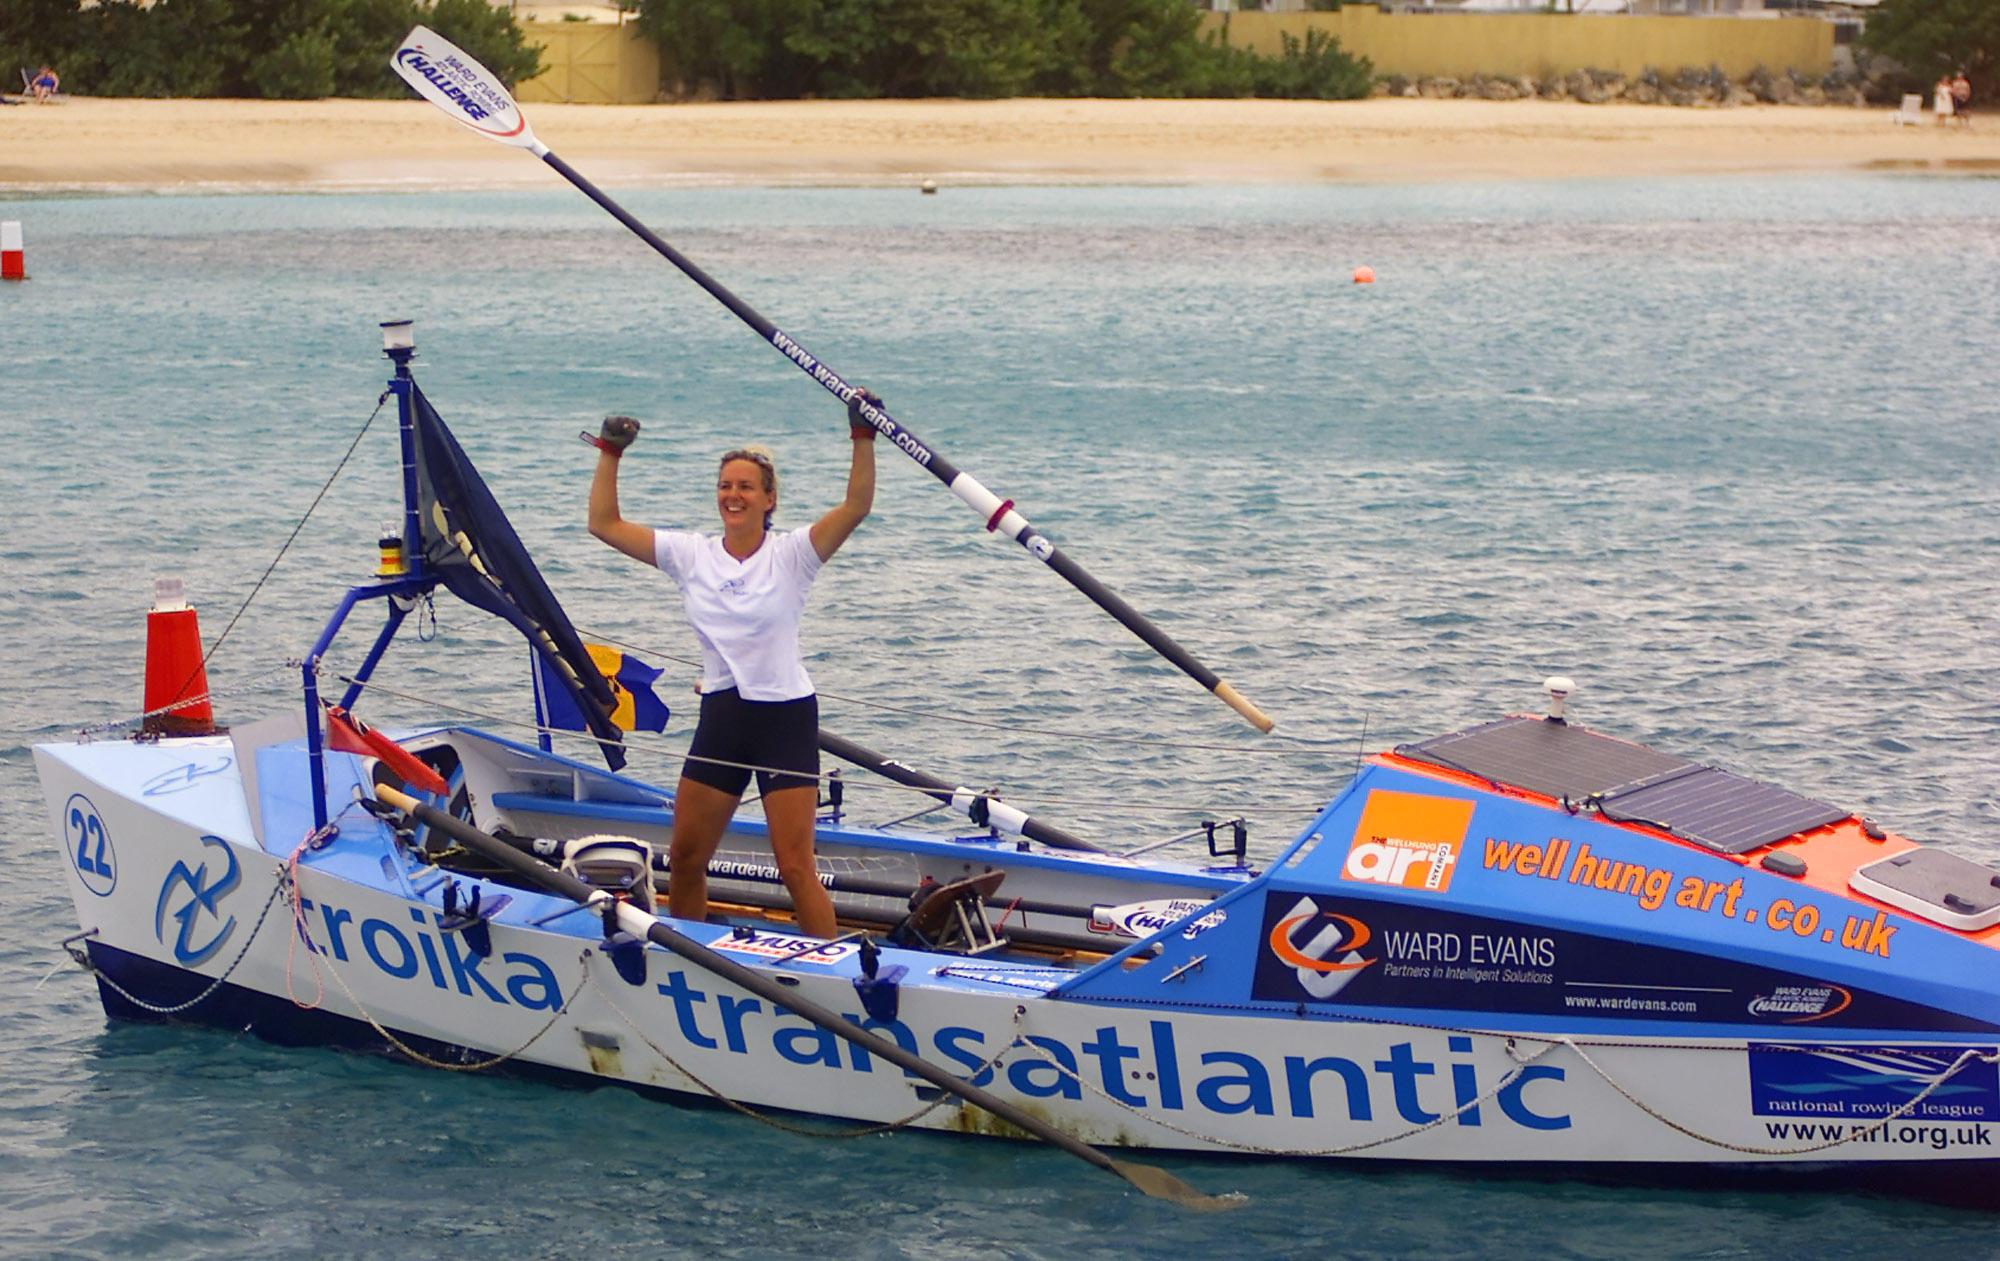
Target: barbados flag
<point x="636" y="706"/>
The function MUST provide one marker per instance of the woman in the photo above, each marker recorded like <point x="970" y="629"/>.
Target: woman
<point x="744" y="591"/>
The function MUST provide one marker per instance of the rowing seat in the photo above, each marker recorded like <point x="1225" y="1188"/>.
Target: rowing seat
<point x="951" y="917"/>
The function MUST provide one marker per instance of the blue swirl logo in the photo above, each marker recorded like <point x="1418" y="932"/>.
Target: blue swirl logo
<point x="201" y="896"/>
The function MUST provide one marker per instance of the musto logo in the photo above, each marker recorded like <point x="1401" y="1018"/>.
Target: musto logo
<point x="1408" y="841"/>
<point x="193" y="902"/>
<point x="1322" y="947"/>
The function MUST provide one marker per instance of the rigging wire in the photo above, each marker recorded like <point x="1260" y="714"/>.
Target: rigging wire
<point x="663" y="750"/>
<point x="286" y="546"/>
<point x="1303" y="744"/>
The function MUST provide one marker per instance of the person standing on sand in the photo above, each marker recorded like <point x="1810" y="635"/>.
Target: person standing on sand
<point x="1941" y="99"/>
<point x="1961" y="99"/>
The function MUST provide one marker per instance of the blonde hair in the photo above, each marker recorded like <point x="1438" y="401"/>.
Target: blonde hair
<point x="766" y="460"/>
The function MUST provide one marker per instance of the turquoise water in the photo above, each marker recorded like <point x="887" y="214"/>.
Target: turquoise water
<point x="1721" y="451"/>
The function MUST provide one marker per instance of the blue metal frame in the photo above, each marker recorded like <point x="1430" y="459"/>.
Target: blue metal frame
<point x="400" y="592"/>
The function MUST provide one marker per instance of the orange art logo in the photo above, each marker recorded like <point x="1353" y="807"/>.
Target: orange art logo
<point x="1408" y="841"/>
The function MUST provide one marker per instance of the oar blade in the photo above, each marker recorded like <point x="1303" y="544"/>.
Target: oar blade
<point x="1161" y="1185"/>
<point x="450" y="79"/>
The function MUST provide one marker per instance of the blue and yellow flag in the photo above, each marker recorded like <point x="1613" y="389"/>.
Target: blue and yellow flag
<point x="636" y="706"/>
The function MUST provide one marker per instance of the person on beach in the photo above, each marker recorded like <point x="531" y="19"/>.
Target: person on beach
<point x="1961" y="99"/>
<point x="1941" y="100"/>
<point x="744" y="591"/>
<point x="45" y="83"/>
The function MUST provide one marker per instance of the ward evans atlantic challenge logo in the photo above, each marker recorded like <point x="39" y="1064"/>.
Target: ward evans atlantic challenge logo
<point x="1408" y="841"/>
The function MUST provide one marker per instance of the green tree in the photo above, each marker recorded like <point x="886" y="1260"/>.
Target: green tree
<point x="485" y="31"/>
<point x="299" y="69"/>
<point x="1930" y="36"/>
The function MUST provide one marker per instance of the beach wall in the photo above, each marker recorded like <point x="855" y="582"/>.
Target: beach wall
<point x="591" y="63"/>
<point x="1542" y="45"/>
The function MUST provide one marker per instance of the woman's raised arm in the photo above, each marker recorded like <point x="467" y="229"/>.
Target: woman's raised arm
<point x="831" y="530"/>
<point x="634" y="540"/>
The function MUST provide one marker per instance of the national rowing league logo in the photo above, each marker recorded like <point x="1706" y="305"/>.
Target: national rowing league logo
<point x="1408" y="841"/>
<point x="1323" y="948"/>
<point x="193" y="902"/>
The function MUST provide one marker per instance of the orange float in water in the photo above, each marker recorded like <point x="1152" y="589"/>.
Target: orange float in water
<point x="174" y="669"/>
<point x="1364" y="275"/>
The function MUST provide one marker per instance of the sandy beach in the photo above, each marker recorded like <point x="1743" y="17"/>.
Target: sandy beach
<point x="91" y="144"/>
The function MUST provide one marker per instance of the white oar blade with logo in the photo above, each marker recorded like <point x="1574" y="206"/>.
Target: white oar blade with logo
<point x="451" y="80"/>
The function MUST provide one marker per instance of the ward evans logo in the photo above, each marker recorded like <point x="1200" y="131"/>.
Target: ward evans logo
<point x="1323" y="948"/>
<point x="1408" y="841"/>
<point x="193" y="902"/>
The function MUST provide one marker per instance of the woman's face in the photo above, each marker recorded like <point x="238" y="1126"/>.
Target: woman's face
<point x="740" y="495"/>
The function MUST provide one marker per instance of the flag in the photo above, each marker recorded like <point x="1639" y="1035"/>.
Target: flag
<point x="347" y="734"/>
<point x="473" y="550"/>
<point x="635" y="707"/>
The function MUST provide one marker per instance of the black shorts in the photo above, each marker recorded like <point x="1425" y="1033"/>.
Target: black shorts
<point x="781" y="735"/>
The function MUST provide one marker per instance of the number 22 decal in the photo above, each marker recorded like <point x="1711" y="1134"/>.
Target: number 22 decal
<point x="90" y="846"/>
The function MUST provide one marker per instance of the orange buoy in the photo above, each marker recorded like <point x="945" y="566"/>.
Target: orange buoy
<point x="174" y="669"/>
<point x="1364" y="275"/>
<point x="13" y="259"/>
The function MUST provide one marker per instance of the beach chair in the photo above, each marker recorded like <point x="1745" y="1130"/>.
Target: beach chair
<point x="1912" y="112"/>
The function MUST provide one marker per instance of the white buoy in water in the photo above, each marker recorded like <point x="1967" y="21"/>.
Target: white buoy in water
<point x="13" y="259"/>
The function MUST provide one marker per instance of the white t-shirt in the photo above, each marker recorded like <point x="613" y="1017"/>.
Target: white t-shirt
<point x="745" y="613"/>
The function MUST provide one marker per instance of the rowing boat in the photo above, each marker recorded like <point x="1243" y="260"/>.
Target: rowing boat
<point x="1524" y="945"/>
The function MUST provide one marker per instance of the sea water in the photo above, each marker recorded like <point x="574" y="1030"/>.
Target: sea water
<point x="1723" y="452"/>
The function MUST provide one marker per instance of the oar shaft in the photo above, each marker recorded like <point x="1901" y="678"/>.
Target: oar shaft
<point x="998" y="513"/>
<point x="638" y="922"/>
<point x="997" y="812"/>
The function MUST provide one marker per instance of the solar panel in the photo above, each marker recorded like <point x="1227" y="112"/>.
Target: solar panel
<point x="1628" y="782"/>
<point x="1551" y="758"/>
<point x="1721" y="810"/>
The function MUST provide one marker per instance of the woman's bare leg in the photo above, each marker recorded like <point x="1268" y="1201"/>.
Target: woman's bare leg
<point x="701" y="815"/>
<point x="790" y="813"/>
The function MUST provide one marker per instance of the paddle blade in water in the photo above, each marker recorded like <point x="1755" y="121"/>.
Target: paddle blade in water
<point x="1161" y="1185"/>
<point x="451" y="80"/>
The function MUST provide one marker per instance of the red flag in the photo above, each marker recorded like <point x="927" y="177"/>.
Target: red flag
<point x="348" y="734"/>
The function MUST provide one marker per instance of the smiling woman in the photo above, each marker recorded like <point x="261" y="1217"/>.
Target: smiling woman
<point x="744" y="591"/>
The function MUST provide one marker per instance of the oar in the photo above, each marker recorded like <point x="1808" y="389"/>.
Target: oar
<point x="982" y="809"/>
<point x="468" y="92"/>
<point x="1153" y="1181"/>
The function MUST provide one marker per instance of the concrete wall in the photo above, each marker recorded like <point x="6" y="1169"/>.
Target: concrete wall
<point x="591" y="63"/>
<point x="1543" y="45"/>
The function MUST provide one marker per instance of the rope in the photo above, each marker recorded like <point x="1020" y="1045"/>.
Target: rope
<point x="257" y="683"/>
<point x="83" y="961"/>
<point x="1853" y="1136"/>
<point x="1260" y="1150"/>
<point x="286" y="546"/>
<point x="805" y="1131"/>
<point x="289" y="882"/>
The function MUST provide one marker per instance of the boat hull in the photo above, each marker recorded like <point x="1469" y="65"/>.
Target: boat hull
<point x="347" y="947"/>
